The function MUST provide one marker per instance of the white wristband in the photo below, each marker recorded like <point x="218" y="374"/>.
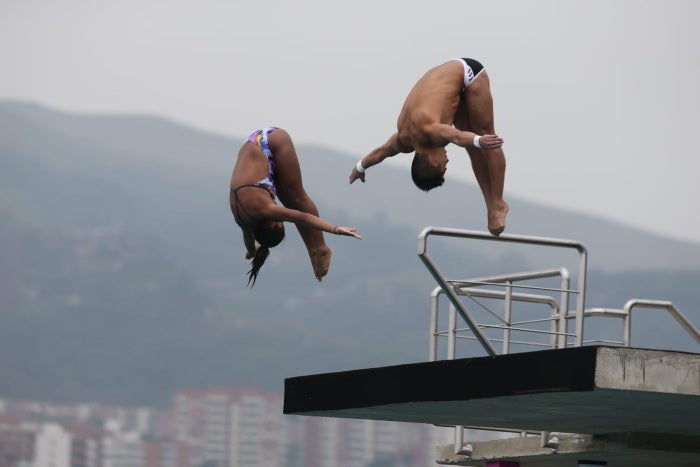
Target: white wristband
<point x="359" y="167"/>
<point x="476" y="141"/>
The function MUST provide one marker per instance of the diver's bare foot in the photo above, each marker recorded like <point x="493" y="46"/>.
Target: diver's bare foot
<point x="497" y="219"/>
<point x="321" y="261"/>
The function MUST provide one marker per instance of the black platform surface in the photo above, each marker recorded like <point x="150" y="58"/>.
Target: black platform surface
<point x="590" y="389"/>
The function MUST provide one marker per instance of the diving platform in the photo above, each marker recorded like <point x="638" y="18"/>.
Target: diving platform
<point x="573" y="401"/>
<point x="592" y="389"/>
<point x="631" y="405"/>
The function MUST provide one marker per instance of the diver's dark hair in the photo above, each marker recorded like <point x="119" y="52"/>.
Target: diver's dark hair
<point x="419" y="169"/>
<point x="257" y="262"/>
<point x="267" y="238"/>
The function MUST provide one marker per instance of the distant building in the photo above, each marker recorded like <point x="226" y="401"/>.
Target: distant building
<point x="52" y="446"/>
<point x="166" y="453"/>
<point x="257" y="434"/>
<point x="122" y="448"/>
<point x="227" y="427"/>
<point x="17" y="441"/>
<point x="336" y="442"/>
<point x="215" y="427"/>
<point x="86" y="445"/>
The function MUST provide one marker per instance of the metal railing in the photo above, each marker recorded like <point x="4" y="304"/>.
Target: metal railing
<point x="453" y="288"/>
<point x="507" y="324"/>
<point x="558" y="315"/>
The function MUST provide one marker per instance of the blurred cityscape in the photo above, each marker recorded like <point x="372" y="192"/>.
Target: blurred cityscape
<point x="213" y="427"/>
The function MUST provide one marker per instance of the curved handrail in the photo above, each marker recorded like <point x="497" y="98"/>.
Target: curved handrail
<point x="508" y="238"/>
<point x="663" y="304"/>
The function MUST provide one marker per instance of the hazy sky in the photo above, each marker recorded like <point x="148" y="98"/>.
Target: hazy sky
<point x="597" y="100"/>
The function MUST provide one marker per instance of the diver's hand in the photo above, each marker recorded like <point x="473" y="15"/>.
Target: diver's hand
<point x="347" y="231"/>
<point x="355" y="174"/>
<point x="488" y="142"/>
